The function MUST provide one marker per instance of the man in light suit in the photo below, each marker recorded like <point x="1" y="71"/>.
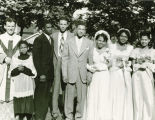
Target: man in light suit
<point x="74" y="60"/>
<point x="59" y="39"/>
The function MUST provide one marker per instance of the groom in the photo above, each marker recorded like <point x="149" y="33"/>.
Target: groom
<point x="74" y="60"/>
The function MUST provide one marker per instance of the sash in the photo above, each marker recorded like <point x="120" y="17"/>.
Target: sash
<point x="9" y="52"/>
<point x="6" y="51"/>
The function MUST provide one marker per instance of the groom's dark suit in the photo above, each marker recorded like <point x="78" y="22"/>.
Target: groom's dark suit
<point x="43" y="61"/>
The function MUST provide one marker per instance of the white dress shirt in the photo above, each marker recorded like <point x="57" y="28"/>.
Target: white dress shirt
<point x="78" y="43"/>
<point x="48" y="37"/>
<point x="59" y="38"/>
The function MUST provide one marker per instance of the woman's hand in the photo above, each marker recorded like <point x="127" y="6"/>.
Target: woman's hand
<point x="119" y="62"/>
<point x="21" y="68"/>
<point x="91" y="68"/>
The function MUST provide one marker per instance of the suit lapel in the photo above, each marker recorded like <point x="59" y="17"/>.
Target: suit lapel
<point x="83" y="46"/>
<point x="55" y="37"/>
<point x="91" y="56"/>
<point x="74" y="46"/>
<point x="69" y="35"/>
<point x="46" y="39"/>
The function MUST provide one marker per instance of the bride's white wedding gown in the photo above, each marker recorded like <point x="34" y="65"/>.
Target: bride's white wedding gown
<point x="98" y="103"/>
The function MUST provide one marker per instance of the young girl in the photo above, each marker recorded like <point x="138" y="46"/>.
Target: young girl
<point x="22" y="73"/>
<point x="143" y="82"/>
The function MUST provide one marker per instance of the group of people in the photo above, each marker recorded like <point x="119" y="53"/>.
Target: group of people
<point x="110" y="81"/>
<point x="120" y="79"/>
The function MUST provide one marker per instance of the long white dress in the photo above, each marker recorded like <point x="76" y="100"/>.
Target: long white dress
<point x="143" y="86"/>
<point x="6" y="107"/>
<point x="121" y="84"/>
<point x="98" y="97"/>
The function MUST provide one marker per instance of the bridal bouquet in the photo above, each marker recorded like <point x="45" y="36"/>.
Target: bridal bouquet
<point x="144" y="62"/>
<point x="107" y="55"/>
<point x="119" y="62"/>
<point x="123" y="63"/>
<point x="103" y="65"/>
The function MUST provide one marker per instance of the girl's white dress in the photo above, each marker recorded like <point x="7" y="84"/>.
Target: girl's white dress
<point x="98" y="98"/>
<point x="23" y="85"/>
<point x="121" y="84"/>
<point x="143" y="86"/>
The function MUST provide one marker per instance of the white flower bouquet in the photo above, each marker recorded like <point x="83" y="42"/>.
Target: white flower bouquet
<point x="103" y="65"/>
<point x="123" y="63"/>
<point x="144" y="62"/>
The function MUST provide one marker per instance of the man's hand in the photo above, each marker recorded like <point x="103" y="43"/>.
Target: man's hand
<point x="65" y="80"/>
<point x="42" y="78"/>
<point x="7" y="60"/>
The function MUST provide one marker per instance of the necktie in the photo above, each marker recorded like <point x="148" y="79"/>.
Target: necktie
<point x="61" y="44"/>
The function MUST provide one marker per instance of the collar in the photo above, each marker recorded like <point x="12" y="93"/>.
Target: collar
<point x="64" y="34"/>
<point x="23" y="56"/>
<point x="9" y="36"/>
<point x="76" y="38"/>
<point x="48" y="37"/>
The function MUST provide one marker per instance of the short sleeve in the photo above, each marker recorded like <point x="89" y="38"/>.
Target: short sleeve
<point x="153" y="54"/>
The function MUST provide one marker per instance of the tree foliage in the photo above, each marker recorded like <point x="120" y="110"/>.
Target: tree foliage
<point x="105" y="14"/>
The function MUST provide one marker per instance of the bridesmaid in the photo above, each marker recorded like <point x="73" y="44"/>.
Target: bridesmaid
<point x="143" y="82"/>
<point x="120" y="74"/>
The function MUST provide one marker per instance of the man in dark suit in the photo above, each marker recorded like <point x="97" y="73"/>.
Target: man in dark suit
<point x="43" y="61"/>
<point x="59" y="39"/>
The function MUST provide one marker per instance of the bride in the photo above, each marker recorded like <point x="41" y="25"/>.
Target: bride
<point x="98" y="97"/>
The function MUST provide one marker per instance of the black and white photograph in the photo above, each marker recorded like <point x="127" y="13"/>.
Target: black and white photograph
<point x="77" y="59"/>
